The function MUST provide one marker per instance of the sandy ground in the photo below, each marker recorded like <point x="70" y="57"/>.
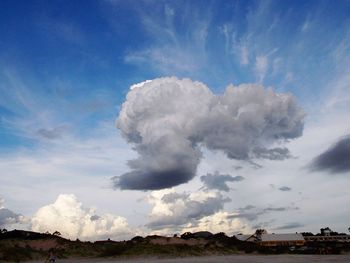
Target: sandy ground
<point x="224" y="259"/>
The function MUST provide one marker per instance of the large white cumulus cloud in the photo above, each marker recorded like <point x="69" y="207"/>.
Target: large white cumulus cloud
<point x="172" y="209"/>
<point x="181" y="212"/>
<point x="220" y="222"/>
<point x="168" y="120"/>
<point x="68" y="216"/>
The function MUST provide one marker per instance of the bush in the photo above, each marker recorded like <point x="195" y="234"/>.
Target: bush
<point x="16" y="254"/>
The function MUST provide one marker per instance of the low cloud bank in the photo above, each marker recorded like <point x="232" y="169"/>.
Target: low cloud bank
<point x="8" y="218"/>
<point x="173" y="210"/>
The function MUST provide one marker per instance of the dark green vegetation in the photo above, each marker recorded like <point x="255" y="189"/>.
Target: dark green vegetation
<point x="18" y="246"/>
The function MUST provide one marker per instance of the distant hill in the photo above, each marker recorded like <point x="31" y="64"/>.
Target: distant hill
<point x="19" y="245"/>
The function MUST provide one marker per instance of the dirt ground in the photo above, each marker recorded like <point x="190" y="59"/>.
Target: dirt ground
<point x="225" y="259"/>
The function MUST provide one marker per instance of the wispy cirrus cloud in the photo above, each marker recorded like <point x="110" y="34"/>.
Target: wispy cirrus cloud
<point x="62" y="29"/>
<point x="261" y="67"/>
<point x="165" y="59"/>
<point x="171" y="52"/>
<point x="234" y="46"/>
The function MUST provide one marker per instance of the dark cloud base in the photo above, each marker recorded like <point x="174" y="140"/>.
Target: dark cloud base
<point x="336" y="159"/>
<point x="150" y="180"/>
<point x="289" y="226"/>
<point x="285" y="188"/>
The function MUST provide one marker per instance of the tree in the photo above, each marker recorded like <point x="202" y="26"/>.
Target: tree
<point x="260" y="232"/>
<point x="307" y="234"/>
<point x="219" y="235"/>
<point x="56" y="233"/>
<point x="187" y="235"/>
<point x="325" y="231"/>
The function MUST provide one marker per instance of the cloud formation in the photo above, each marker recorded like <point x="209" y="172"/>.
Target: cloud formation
<point x="8" y="217"/>
<point x="68" y="216"/>
<point x="168" y="120"/>
<point x="172" y="209"/>
<point x="219" y="222"/>
<point x="289" y="226"/>
<point x="51" y="134"/>
<point x="285" y="188"/>
<point x="261" y="67"/>
<point x="336" y="159"/>
<point x="219" y="181"/>
<point x="252" y="213"/>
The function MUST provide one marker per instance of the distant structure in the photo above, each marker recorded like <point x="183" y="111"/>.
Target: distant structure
<point x="340" y="238"/>
<point x="273" y="240"/>
<point x="283" y="240"/>
<point x="327" y="235"/>
<point x="262" y="238"/>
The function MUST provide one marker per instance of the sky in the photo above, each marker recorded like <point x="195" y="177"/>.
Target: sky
<point x="124" y="118"/>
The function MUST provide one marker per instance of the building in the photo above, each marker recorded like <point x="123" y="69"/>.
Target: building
<point x="274" y="240"/>
<point x="248" y="238"/>
<point x="327" y="235"/>
<point x="285" y="240"/>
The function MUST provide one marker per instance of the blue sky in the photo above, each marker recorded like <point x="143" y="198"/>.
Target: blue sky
<point x="67" y="66"/>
